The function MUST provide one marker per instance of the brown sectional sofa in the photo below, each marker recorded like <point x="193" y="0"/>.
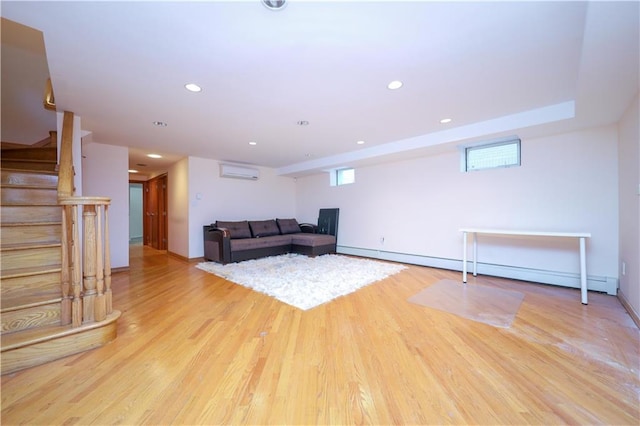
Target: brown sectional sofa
<point x="226" y="242"/>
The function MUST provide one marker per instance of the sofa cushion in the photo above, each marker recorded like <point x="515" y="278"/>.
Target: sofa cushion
<point x="312" y="240"/>
<point x="257" y="243"/>
<point x="264" y="228"/>
<point x="288" y="226"/>
<point x="238" y="229"/>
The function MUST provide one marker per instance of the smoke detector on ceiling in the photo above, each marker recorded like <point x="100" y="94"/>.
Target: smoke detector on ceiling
<point x="275" y="4"/>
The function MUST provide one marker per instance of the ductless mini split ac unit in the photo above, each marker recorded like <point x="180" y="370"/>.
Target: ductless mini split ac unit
<point x="238" y="172"/>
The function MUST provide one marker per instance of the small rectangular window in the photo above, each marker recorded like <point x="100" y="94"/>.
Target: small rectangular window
<point x="345" y="176"/>
<point x="492" y="155"/>
<point x="342" y="177"/>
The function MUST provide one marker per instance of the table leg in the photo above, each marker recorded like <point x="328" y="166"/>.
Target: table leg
<point x="583" y="271"/>
<point x="475" y="254"/>
<point x="464" y="257"/>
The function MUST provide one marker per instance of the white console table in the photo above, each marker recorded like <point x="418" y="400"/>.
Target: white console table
<point x="474" y="233"/>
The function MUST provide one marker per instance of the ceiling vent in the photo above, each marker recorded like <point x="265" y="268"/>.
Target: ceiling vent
<point x="275" y="4"/>
<point x="238" y="172"/>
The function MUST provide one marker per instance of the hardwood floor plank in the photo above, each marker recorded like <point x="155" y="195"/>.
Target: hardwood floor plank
<point x="193" y="348"/>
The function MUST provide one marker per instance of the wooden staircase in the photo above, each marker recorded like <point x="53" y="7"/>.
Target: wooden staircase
<point x="34" y="330"/>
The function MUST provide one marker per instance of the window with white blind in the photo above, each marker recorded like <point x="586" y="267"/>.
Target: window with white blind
<point x="492" y="155"/>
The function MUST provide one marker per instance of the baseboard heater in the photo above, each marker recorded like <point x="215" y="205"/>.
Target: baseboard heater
<point x="238" y="172"/>
<point x="604" y="284"/>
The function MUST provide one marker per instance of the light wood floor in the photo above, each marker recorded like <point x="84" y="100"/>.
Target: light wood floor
<point x="195" y="349"/>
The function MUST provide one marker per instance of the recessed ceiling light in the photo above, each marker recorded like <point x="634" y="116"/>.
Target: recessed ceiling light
<point x="192" y="87"/>
<point x="274" y="4"/>
<point x="154" y="155"/>
<point x="133" y="171"/>
<point x="253" y="143"/>
<point x="303" y="123"/>
<point x="396" y="84"/>
<point x="360" y="142"/>
<point x="160" y="123"/>
<point x="445" y="121"/>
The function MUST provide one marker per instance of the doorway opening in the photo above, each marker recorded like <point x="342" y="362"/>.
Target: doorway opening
<point x="148" y="220"/>
<point x="136" y="213"/>
<point x="155" y="219"/>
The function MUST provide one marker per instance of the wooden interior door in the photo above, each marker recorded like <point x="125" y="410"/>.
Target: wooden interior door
<point x="155" y="217"/>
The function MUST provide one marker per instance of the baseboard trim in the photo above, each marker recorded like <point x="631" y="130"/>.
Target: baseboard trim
<point x="184" y="258"/>
<point x="607" y="285"/>
<point x="177" y="256"/>
<point x="627" y="306"/>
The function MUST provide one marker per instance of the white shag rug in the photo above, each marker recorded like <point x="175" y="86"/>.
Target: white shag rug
<point x="302" y="281"/>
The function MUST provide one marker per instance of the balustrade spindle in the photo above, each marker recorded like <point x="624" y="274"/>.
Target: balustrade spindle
<point x="100" y="303"/>
<point x="107" y="263"/>
<point x="65" y="275"/>
<point x="89" y="264"/>
<point x="76" y="303"/>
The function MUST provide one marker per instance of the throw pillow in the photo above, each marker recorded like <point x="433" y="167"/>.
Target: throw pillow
<point x="236" y="229"/>
<point x="264" y="228"/>
<point x="288" y="226"/>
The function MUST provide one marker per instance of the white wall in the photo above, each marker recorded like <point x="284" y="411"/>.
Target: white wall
<point x="211" y="198"/>
<point x="567" y="182"/>
<point x="105" y="174"/>
<point x="178" y="207"/>
<point x="629" y="172"/>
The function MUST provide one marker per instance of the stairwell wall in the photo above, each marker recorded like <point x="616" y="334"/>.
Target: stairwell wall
<point x="106" y="175"/>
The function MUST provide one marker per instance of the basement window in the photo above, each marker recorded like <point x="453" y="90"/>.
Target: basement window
<point x="493" y="155"/>
<point x="342" y="177"/>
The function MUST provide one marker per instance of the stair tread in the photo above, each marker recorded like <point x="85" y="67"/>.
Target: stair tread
<point x="27" y="246"/>
<point x="34" y="335"/>
<point x="17" y="224"/>
<point x="22" y="272"/>
<point x="28" y="160"/>
<point x="31" y="204"/>
<point x="29" y="186"/>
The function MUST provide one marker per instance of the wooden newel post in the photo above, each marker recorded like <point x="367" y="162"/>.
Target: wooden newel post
<point x="89" y="264"/>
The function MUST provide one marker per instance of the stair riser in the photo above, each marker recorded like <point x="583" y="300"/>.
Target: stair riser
<point x="31" y="233"/>
<point x="60" y="346"/>
<point x="28" y="165"/>
<point x="36" y="233"/>
<point x="13" y="177"/>
<point x="30" y="214"/>
<point x="30" y="153"/>
<point x="27" y="258"/>
<point x="29" y="196"/>
<point x="29" y="289"/>
<point x="24" y="319"/>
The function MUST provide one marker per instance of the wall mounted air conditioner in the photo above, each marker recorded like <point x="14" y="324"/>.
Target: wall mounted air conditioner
<point x="238" y="172"/>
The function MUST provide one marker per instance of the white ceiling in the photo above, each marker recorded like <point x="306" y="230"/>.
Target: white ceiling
<point x="495" y="68"/>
